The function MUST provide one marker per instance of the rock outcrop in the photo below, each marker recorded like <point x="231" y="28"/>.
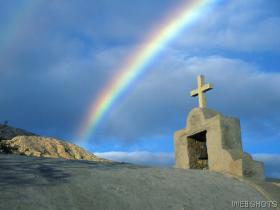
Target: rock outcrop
<point x="18" y="141"/>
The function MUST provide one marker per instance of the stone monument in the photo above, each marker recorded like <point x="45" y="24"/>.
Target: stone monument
<point x="213" y="141"/>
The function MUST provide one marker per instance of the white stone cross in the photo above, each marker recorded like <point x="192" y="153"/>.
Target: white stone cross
<point x="201" y="89"/>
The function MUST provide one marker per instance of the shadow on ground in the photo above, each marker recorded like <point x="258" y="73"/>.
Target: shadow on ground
<point x="30" y="171"/>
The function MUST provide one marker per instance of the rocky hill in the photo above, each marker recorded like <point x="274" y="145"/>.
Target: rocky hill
<point x="19" y="141"/>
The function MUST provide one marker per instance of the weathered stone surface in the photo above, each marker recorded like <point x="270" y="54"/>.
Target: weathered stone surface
<point x="221" y="136"/>
<point x="45" y="183"/>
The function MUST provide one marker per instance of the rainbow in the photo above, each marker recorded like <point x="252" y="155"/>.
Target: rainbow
<point x="137" y="63"/>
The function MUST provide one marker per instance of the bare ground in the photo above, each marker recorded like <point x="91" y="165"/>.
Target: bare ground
<point x="41" y="183"/>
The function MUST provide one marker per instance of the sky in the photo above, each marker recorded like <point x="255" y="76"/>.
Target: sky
<point x="56" y="57"/>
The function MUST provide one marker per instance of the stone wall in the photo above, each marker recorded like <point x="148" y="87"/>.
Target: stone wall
<point x="224" y="145"/>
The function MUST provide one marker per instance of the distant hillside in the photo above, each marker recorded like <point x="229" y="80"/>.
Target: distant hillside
<point x="8" y="132"/>
<point x="19" y="141"/>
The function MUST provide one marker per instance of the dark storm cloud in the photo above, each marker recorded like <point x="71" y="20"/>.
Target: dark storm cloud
<point x="67" y="51"/>
<point x="104" y="22"/>
<point x="59" y="54"/>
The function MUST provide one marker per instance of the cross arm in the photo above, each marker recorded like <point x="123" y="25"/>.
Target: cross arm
<point x="207" y="87"/>
<point x="194" y="93"/>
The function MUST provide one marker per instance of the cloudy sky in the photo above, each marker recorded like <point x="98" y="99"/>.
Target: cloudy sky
<point x="56" y="57"/>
